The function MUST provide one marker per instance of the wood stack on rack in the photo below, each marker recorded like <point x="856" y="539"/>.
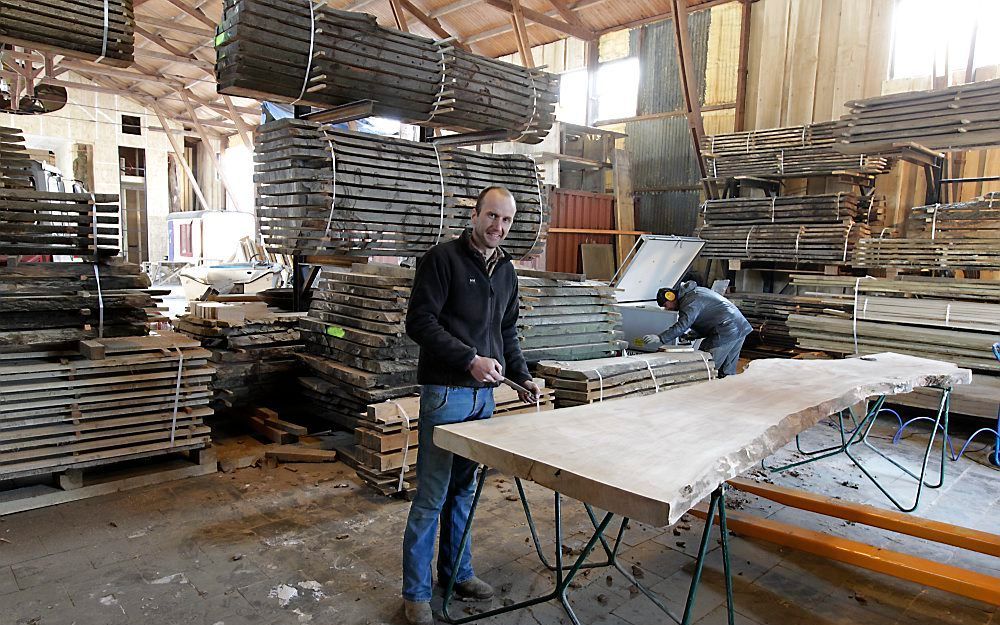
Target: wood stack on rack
<point x="254" y="349"/>
<point x="355" y="336"/>
<point x="121" y="398"/>
<point x="768" y="314"/>
<point x="812" y="243"/>
<point x="963" y="116"/>
<point x="90" y="29"/>
<point x="805" y="209"/>
<point x="566" y="319"/>
<point x="941" y="236"/>
<point x="793" y="152"/>
<point x="289" y="51"/>
<point x="14" y="160"/>
<point x="387" y="437"/>
<point x="939" y="318"/>
<point x="589" y="381"/>
<point x="326" y="191"/>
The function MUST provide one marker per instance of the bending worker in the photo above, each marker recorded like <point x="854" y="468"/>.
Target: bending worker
<point x="708" y="315"/>
<point x="463" y="315"/>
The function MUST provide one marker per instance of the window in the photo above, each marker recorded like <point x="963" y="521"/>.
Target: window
<point x="131" y="161"/>
<point x="187" y="249"/>
<point x="934" y="37"/>
<point x="572" y="106"/>
<point x="131" y="125"/>
<point x="617" y="89"/>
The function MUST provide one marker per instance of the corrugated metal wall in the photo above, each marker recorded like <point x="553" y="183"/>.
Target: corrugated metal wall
<point x="579" y="210"/>
<point x="665" y="172"/>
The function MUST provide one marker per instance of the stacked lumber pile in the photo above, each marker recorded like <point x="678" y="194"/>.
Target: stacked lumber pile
<point x="959" y="117"/>
<point x="386" y="439"/>
<point x="254" y="349"/>
<point x="814" y="243"/>
<point x="768" y="314"/>
<point x="566" y="319"/>
<point x="56" y="305"/>
<point x="121" y="398"/>
<point x="291" y="51"/>
<point x="90" y="29"/>
<point x="793" y="152"/>
<point x="805" y="209"/>
<point x="600" y="379"/>
<point x="976" y="219"/>
<point x="356" y="343"/>
<point x="326" y="191"/>
<point x="943" y="319"/>
<point x="46" y="222"/>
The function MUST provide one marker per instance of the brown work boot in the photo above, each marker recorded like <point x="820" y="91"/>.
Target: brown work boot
<point x="418" y="612"/>
<point x="475" y="589"/>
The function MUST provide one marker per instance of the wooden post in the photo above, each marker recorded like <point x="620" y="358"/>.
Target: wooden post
<point x="179" y="152"/>
<point x="742" y="71"/>
<point x="399" y="15"/>
<point x="521" y="34"/>
<point x="687" y="77"/>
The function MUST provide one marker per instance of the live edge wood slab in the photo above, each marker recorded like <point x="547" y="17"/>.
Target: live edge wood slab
<point x="652" y="458"/>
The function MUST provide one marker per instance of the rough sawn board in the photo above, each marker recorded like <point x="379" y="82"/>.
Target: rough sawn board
<point x="652" y="458"/>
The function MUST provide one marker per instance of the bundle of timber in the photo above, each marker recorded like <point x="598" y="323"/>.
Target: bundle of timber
<point x="386" y="439"/>
<point x="121" y="398"/>
<point x="326" y="191"/>
<point x="768" y="314"/>
<point x="977" y="219"/>
<point x="566" y="319"/>
<point x="793" y="152"/>
<point x="938" y="253"/>
<point x="293" y="51"/>
<point x="956" y="117"/>
<point x="355" y="336"/>
<point x="254" y="349"/>
<point x="56" y="305"/>
<point x="807" y="209"/>
<point x="812" y="243"/>
<point x="50" y="222"/>
<point x="101" y="30"/>
<point x="589" y="381"/>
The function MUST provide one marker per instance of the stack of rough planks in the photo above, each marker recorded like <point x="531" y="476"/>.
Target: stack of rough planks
<point x="357" y="348"/>
<point x="326" y="191"/>
<point x="56" y="305"/>
<point x="793" y="152"/>
<point x="960" y="235"/>
<point x="91" y="29"/>
<point x="121" y="398"/>
<point x="47" y="222"/>
<point x="768" y="314"/>
<point x="959" y="117"/>
<point x="811" y="228"/>
<point x="589" y="381"/>
<point x="292" y="51"/>
<point x="254" y="349"/>
<point x="386" y="440"/>
<point x="938" y="318"/>
<point x="566" y="319"/>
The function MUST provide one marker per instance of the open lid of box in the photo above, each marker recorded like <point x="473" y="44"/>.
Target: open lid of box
<point x="655" y="261"/>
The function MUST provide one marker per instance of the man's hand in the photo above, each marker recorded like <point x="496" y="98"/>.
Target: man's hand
<point x="486" y="370"/>
<point x="649" y="339"/>
<point x="532" y="397"/>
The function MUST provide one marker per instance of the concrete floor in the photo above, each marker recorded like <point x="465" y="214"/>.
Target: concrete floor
<point x="309" y="544"/>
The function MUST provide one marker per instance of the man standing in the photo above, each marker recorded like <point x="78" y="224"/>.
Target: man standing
<point x="463" y="314"/>
<point x="710" y="316"/>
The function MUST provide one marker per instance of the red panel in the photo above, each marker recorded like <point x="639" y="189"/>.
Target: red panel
<point x="581" y="210"/>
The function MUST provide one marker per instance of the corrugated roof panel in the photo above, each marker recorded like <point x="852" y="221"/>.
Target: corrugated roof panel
<point x="662" y="153"/>
<point x="659" y="85"/>
<point x="667" y="212"/>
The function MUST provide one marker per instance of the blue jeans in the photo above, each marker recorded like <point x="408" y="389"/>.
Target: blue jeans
<point x="446" y="484"/>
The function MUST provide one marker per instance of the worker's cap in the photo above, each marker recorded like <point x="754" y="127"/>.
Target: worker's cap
<point x="665" y="295"/>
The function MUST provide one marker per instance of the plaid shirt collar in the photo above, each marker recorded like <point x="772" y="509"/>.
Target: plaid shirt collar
<point x="492" y="261"/>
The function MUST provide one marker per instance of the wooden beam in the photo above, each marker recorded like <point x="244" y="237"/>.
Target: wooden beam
<point x="216" y="156"/>
<point x="521" y="34"/>
<point x="433" y="24"/>
<point x="458" y="5"/>
<point x="689" y="84"/>
<point x="399" y="15"/>
<point x="147" y="20"/>
<point x="179" y="152"/>
<point x="197" y="14"/>
<point x="567" y="14"/>
<point x="143" y="53"/>
<point x="158" y="39"/>
<point x="543" y="19"/>
<point x="246" y="135"/>
<point x="741" y="68"/>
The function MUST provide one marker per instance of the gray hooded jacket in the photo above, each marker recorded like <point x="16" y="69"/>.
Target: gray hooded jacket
<point x="708" y="314"/>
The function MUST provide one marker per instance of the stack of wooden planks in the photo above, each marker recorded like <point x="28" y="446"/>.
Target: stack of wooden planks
<point x="793" y="152"/>
<point x="938" y="253"/>
<point x="939" y="318"/>
<point x="805" y="209"/>
<point x="55" y="305"/>
<point x="387" y="437"/>
<point x="254" y="349"/>
<point x="355" y="336"/>
<point x="326" y="191"/>
<point x="566" y="319"/>
<point x="977" y="219"/>
<point x="92" y="29"/>
<point x="599" y="379"/>
<point x="49" y="222"/>
<point x="294" y="51"/>
<point x="811" y="243"/>
<point x="959" y="117"/>
<point x="121" y="398"/>
<point x="768" y="314"/>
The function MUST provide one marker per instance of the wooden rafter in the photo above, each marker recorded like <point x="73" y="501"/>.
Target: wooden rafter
<point x="196" y="13"/>
<point x="521" y="34"/>
<point x="432" y="23"/>
<point x="216" y="157"/>
<point x="179" y="153"/>
<point x="567" y="14"/>
<point x="399" y="15"/>
<point x="146" y="20"/>
<point x="544" y="19"/>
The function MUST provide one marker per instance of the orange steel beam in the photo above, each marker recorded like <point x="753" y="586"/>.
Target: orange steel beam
<point x="944" y="533"/>
<point x="927" y="572"/>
